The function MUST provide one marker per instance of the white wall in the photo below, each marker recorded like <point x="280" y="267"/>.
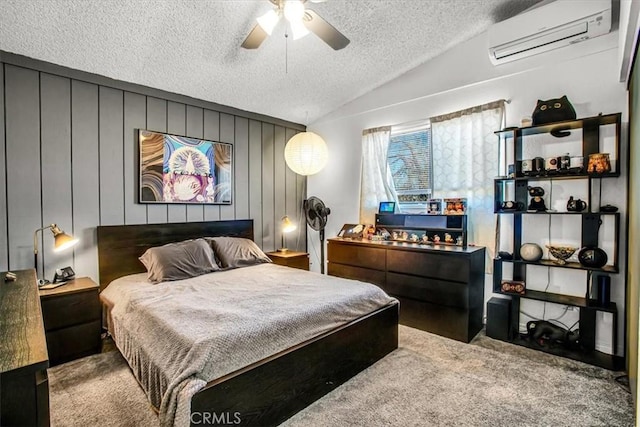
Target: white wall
<point x="588" y="73"/>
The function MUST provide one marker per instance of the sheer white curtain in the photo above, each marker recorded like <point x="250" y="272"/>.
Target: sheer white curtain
<point x="376" y="184"/>
<point x="465" y="162"/>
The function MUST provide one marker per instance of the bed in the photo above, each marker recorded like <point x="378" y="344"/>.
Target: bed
<point x="269" y="390"/>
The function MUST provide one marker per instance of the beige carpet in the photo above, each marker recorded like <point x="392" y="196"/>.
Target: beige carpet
<point x="429" y="380"/>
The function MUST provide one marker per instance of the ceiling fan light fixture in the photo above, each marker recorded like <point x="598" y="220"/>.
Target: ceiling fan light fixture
<point x="268" y="21"/>
<point x="298" y="30"/>
<point x="306" y="153"/>
<point x="302" y="22"/>
<point x="293" y="10"/>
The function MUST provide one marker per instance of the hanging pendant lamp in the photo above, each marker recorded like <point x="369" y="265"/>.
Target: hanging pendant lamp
<point x="306" y="153"/>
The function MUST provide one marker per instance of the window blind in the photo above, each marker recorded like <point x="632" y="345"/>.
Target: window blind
<point x="410" y="160"/>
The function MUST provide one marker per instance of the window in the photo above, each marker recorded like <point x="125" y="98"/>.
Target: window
<point x="410" y="159"/>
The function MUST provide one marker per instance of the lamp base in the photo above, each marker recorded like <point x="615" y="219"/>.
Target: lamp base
<point x="283" y="250"/>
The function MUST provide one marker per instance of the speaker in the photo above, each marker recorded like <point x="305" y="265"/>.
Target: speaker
<point x="499" y="318"/>
<point x="604" y="290"/>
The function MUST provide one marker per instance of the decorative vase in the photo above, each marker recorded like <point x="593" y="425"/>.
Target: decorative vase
<point x="592" y="256"/>
<point x="530" y="252"/>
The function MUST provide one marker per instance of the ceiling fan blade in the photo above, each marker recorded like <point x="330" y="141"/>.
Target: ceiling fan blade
<point x="324" y="30"/>
<point x="255" y="38"/>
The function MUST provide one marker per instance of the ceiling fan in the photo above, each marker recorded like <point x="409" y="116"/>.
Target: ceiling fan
<point x="301" y="21"/>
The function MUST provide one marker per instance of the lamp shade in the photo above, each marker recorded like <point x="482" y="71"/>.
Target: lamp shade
<point x="268" y="21"/>
<point x="306" y="153"/>
<point x="287" y="225"/>
<point x="62" y="240"/>
<point x="293" y="10"/>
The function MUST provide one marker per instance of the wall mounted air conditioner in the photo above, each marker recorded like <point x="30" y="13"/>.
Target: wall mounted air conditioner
<point x="546" y="27"/>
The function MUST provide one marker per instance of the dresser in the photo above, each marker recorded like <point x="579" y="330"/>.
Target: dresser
<point x="72" y="320"/>
<point x="440" y="288"/>
<point x="24" y="389"/>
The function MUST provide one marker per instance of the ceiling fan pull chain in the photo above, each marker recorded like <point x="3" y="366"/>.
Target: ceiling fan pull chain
<point x="286" y="52"/>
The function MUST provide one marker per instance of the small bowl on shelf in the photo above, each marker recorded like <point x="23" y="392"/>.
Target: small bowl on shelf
<point x="561" y="253"/>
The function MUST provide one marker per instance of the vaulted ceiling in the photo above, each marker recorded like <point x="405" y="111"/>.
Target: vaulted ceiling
<point x="192" y="47"/>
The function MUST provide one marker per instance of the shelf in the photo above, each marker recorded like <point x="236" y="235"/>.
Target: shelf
<point x="554" y="213"/>
<point x="592" y="357"/>
<point x="425" y="224"/>
<point x="420" y="243"/>
<point x="607" y="119"/>
<point x="563" y="299"/>
<point x="518" y="146"/>
<point x="430" y="229"/>
<point x="571" y="265"/>
<point x="560" y="176"/>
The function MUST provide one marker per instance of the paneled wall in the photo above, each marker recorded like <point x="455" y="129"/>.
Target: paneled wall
<point x="69" y="155"/>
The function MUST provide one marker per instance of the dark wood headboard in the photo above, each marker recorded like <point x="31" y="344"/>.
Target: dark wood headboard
<point x="120" y="246"/>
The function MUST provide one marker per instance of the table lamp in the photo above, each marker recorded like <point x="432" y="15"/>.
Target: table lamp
<point x="62" y="241"/>
<point x="287" y="227"/>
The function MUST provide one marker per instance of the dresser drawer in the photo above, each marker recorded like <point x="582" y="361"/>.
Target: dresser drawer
<point x="451" y="294"/>
<point x="70" y="309"/>
<point x="298" y="261"/>
<point x="357" y="273"/>
<point x="429" y="264"/>
<point x="73" y="342"/>
<point x="451" y="322"/>
<point x="360" y="256"/>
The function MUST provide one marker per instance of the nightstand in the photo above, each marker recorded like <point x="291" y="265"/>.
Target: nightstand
<point x="290" y="259"/>
<point x="72" y="320"/>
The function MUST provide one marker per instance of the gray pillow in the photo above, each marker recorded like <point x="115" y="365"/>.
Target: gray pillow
<point x="176" y="261"/>
<point x="233" y="252"/>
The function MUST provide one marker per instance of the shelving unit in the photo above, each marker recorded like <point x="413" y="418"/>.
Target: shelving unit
<point x="591" y="221"/>
<point x="429" y="225"/>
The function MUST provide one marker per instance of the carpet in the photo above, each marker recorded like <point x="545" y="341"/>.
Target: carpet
<point x="428" y="380"/>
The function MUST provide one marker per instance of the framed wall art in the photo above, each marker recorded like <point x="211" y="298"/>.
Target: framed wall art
<point x="178" y="169"/>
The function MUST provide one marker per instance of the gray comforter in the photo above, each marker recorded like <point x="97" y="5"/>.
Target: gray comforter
<point x="177" y="336"/>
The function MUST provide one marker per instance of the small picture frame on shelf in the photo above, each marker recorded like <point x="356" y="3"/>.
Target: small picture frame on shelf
<point x="517" y="287"/>
<point x="434" y="206"/>
<point x="352" y="231"/>
<point x="387" y="207"/>
<point x="457" y="206"/>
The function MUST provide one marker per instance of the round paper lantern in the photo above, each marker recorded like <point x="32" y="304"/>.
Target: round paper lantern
<point x="530" y="252"/>
<point x="306" y="153"/>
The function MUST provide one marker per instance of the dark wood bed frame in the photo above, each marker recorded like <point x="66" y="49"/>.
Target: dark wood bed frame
<point x="273" y="389"/>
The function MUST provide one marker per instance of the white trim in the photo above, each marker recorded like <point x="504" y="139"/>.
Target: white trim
<point x="629" y="28"/>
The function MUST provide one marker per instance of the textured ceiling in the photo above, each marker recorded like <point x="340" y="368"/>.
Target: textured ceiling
<point x="192" y="47"/>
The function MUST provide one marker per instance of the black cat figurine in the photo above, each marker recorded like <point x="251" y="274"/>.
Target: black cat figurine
<point x="553" y="110"/>
<point x="546" y="333"/>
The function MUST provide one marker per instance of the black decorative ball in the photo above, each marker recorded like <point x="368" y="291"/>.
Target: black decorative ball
<point x="592" y="257"/>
